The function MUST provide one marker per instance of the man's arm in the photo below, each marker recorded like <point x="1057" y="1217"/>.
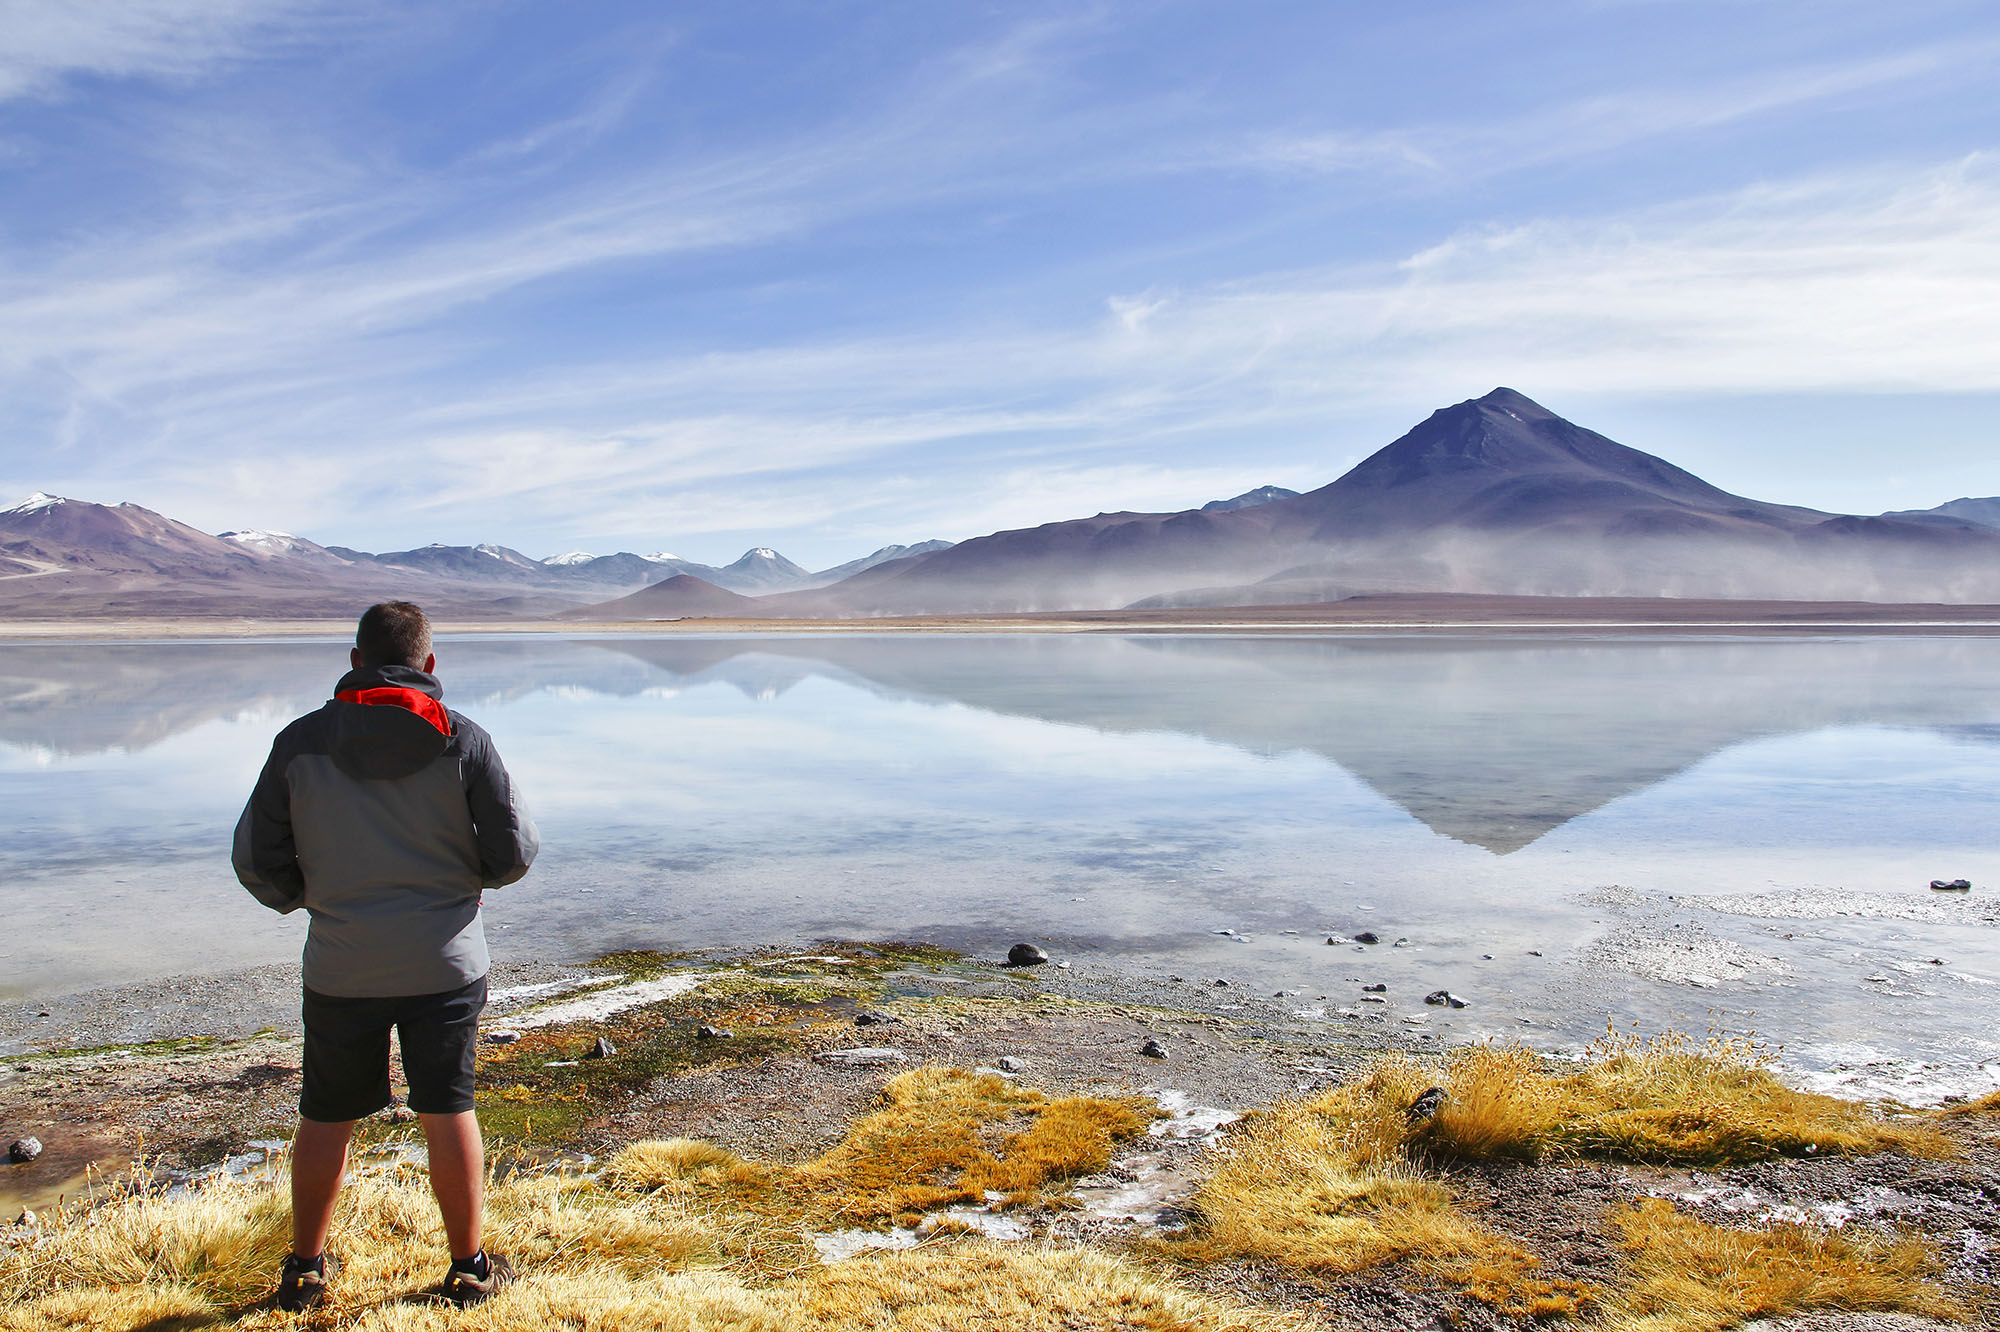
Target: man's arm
<point x="265" y="857"/>
<point x="507" y="837"/>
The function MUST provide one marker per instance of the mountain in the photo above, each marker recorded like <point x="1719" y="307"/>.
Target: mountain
<point x="65" y="534"/>
<point x="1250" y="499"/>
<point x="1494" y="495"/>
<point x="758" y="570"/>
<point x="480" y="562"/>
<point x="840" y="572"/>
<point x="282" y="546"/>
<point x="1978" y="512"/>
<point x="679" y="597"/>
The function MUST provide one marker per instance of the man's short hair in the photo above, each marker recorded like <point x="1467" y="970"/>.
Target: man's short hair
<point x="394" y="633"/>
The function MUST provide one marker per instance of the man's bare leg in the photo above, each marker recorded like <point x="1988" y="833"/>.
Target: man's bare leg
<point x="319" y="1159"/>
<point x="458" y="1177"/>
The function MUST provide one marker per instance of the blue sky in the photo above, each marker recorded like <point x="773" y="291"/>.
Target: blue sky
<point x="826" y="275"/>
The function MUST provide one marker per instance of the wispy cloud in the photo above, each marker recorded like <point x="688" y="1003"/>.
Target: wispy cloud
<point x="1466" y="148"/>
<point x="310" y="330"/>
<point x="47" y="42"/>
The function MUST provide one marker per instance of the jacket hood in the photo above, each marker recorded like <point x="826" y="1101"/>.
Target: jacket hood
<point x="386" y="722"/>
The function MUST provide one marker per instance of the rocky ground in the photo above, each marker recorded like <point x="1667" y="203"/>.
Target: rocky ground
<point x="175" y="1077"/>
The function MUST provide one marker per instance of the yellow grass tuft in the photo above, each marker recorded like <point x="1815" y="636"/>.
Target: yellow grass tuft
<point x="1668" y="1101"/>
<point x="1689" y="1276"/>
<point x="1316" y="1185"/>
<point x="944" y="1136"/>
<point x="1337" y="1183"/>
<point x="588" y="1257"/>
<point x="1030" y="1287"/>
<point x="674" y="1161"/>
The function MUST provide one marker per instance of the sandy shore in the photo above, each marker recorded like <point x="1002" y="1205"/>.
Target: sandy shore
<point x="1375" y="614"/>
<point x="104" y="1086"/>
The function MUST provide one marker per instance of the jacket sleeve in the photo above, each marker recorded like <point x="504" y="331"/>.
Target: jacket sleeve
<point x="508" y="839"/>
<point x="265" y="857"/>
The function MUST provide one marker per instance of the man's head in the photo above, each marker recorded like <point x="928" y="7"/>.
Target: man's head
<point x="394" y="633"/>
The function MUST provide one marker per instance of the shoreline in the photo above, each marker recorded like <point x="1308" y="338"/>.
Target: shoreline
<point x="810" y="1039"/>
<point x="1397" y="614"/>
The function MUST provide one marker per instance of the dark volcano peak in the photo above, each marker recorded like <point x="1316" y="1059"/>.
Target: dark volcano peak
<point x="1506" y="461"/>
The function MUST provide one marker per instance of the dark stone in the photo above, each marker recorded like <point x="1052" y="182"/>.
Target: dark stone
<point x="875" y="1020"/>
<point x="1443" y="999"/>
<point x="1152" y="1049"/>
<point x="1025" y="955"/>
<point x="602" y="1050"/>
<point x="24" y="1149"/>
<point x="1223" y="983"/>
<point x="1952" y="885"/>
<point x="708" y="1033"/>
<point x="1377" y="988"/>
<point x="1368" y="937"/>
<point x="1010" y="1064"/>
<point x="1428" y="1103"/>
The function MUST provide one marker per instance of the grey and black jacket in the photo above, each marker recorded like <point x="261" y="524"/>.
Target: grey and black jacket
<point x="384" y="815"/>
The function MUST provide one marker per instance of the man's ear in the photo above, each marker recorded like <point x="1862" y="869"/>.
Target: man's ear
<point x="354" y="659"/>
<point x="430" y="664"/>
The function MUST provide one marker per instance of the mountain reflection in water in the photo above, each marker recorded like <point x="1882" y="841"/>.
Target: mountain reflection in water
<point x="1491" y="741"/>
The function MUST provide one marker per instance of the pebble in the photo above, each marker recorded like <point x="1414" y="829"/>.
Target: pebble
<point x="1222" y="983"/>
<point x="1377" y="988"/>
<point x="1373" y="999"/>
<point x="1152" y="1049"/>
<point x="872" y="1019"/>
<point x="1010" y="1064"/>
<point x="1025" y="955"/>
<point x="1952" y="885"/>
<point x="862" y="1056"/>
<point x="1400" y="943"/>
<point x="503" y="1037"/>
<point x="1367" y="937"/>
<point x="24" y="1149"/>
<point x="708" y="1033"/>
<point x="1444" y="999"/>
<point x="1334" y="939"/>
<point x="602" y="1049"/>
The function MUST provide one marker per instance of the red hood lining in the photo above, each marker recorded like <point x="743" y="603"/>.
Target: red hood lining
<point x="410" y="700"/>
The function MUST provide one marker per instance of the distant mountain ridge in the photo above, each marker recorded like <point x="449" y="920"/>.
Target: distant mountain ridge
<point x="1493" y="495"/>
<point x="1250" y="499"/>
<point x="102" y="559"/>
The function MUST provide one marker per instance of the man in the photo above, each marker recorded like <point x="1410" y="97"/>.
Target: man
<point x="385" y="815"/>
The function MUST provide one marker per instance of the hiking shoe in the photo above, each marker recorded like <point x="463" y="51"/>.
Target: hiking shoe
<point x="464" y="1285"/>
<point x="302" y="1285"/>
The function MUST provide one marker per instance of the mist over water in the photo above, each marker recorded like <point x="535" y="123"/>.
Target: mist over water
<point x="1120" y="799"/>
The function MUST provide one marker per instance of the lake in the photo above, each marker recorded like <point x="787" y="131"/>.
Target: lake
<point x="1729" y="833"/>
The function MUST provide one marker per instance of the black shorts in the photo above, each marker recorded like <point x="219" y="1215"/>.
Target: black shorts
<point x="347" y="1052"/>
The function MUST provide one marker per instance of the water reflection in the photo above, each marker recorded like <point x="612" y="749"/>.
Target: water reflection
<point x="1117" y="795"/>
<point x="1491" y="742"/>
